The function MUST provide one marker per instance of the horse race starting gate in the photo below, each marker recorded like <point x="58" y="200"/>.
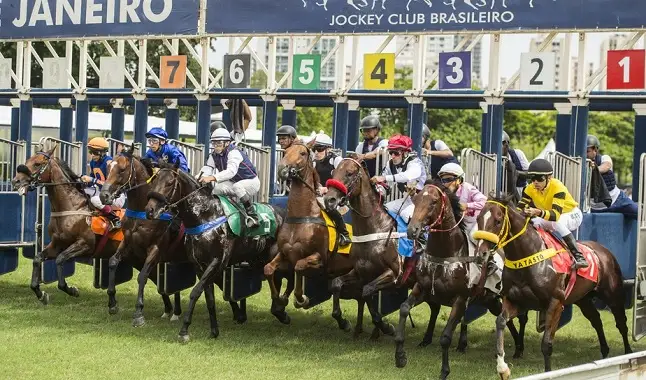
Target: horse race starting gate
<point x="259" y="157"/>
<point x="639" y="306"/>
<point x="480" y="170"/>
<point x="117" y="145"/>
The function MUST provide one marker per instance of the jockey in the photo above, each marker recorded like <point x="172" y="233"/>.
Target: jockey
<point x="551" y="206"/>
<point x="520" y="162"/>
<point x="159" y="149"/>
<point x="403" y="169"/>
<point x="372" y="145"/>
<point x="232" y="172"/>
<point x="286" y="136"/>
<point x="440" y="153"/>
<point x="100" y="166"/>
<point x="217" y="124"/>
<point x="471" y="199"/>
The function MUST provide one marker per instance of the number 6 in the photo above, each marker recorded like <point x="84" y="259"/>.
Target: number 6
<point x="236" y="72"/>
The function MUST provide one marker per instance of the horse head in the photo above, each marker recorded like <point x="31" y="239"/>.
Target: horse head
<point x="499" y="223"/>
<point x="297" y="164"/>
<point x="347" y="181"/>
<point x="36" y="170"/>
<point x="168" y="186"/>
<point x="125" y="172"/>
<point x="431" y="206"/>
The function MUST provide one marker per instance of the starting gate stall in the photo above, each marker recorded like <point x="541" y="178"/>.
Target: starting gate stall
<point x="639" y="301"/>
<point x="480" y="170"/>
<point x="194" y="154"/>
<point x="260" y="159"/>
<point x="117" y="145"/>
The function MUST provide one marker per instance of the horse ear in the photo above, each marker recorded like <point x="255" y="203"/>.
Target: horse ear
<point x="310" y="144"/>
<point x="132" y="147"/>
<point x="51" y="151"/>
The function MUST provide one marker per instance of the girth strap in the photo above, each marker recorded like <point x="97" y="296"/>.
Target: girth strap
<point x="70" y="213"/>
<point x="306" y="220"/>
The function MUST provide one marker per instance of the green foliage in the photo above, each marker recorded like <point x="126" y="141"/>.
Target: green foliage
<point x="615" y="130"/>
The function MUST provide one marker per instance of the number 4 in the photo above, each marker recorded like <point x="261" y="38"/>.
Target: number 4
<point x="379" y="72"/>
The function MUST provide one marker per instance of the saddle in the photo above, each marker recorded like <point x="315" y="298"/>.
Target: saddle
<point x="100" y="226"/>
<point x="562" y="260"/>
<point x="236" y="216"/>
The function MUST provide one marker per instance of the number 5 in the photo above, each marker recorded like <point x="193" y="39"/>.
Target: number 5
<point x="307" y="70"/>
<point x="236" y="73"/>
<point x="456" y="68"/>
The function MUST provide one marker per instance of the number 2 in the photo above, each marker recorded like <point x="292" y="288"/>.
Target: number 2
<point x="625" y="64"/>
<point x="174" y="65"/>
<point x="534" y="81"/>
<point x="379" y="72"/>
<point x="306" y="69"/>
<point x="456" y="68"/>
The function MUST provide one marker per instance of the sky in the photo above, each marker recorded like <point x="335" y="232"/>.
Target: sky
<point x="511" y="47"/>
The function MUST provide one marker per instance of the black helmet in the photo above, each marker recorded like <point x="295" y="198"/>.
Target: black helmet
<point x="217" y="125"/>
<point x="368" y="122"/>
<point x="540" y="167"/>
<point x="426" y="132"/>
<point x="505" y="137"/>
<point x="593" y="141"/>
<point x="286" y="130"/>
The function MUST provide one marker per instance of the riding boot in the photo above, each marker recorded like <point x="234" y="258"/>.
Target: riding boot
<point x="579" y="260"/>
<point x="115" y="221"/>
<point x="252" y="217"/>
<point x="337" y="218"/>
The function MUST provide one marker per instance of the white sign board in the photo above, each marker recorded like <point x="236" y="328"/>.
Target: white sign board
<point x="112" y="72"/>
<point x="54" y="75"/>
<point x="537" y="71"/>
<point x="6" y="65"/>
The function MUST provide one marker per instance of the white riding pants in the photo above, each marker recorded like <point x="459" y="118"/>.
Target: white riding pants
<point x="403" y="206"/>
<point x="93" y="192"/>
<point x="567" y="223"/>
<point x="249" y="187"/>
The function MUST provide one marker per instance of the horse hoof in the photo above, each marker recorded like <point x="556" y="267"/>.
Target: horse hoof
<point x="138" y="321"/>
<point x="241" y="319"/>
<point x="305" y="304"/>
<point x="346" y="327"/>
<point x="357" y="333"/>
<point x="285" y="319"/>
<point x="424" y="343"/>
<point x="174" y="318"/>
<point x="165" y="315"/>
<point x="74" y="292"/>
<point x="388" y="329"/>
<point x="461" y="348"/>
<point x="506" y="375"/>
<point x="518" y="354"/>
<point x="113" y="310"/>
<point x="282" y="301"/>
<point x="214" y="334"/>
<point x="401" y="360"/>
<point x="44" y="299"/>
<point x="375" y="335"/>
<point x="183" y="338"/>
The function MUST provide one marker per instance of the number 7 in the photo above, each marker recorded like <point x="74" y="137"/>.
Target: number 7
<point x="174" y="65"/>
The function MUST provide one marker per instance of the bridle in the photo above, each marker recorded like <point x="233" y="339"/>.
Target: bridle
<point x="35" y="178"/>
<point x="440" y="217"/>
<point x="295" y="173"/>
<point x="351" y="187"/>
<point x="163" y="199"/>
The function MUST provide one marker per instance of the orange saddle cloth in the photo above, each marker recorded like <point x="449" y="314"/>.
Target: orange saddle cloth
<point x="101" y="223"/>
<point x="562" y="262"/>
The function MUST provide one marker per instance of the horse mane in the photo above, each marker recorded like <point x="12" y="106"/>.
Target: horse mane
<point x="453" y="200"/>
<point x="189" y="178"/>
<point x="69" y="174"/>
<point x="505" y="199"/>
<point x="147" y="164"/>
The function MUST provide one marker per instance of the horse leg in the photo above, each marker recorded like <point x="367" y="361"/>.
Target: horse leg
<point x="210" y="306"/>
<point x="495" y="307"/>
<point x="78" y="248"/>
<point x="428" y="336"/>
<point x="196" y="292"/>
<point x="509" y="312"/>
<point x="278" y="304"/>
<point x="239" y="315"/>
<point x="384" y="280"/>
<point x="592" y="314"/>
<point x="312" y="261"/>
<point x="520" y="343"/>
<point x="36" y="276"/>
<point x="463" y="341"/>
<point x="177" y="309"/>
<point x="358" y="328"/>
<point x="457" y="314"/>
<point x="168" y="306"/>
<point x="552" y="318"/>
<point x="270" y="271"/>
<point x="112" y="273"/>
<point x="414" y="297"/>
<point x="614" y="298"/>
<point x="152" y="256"/>
<point x="338" y="283"/>
<point x="377" y="320"/>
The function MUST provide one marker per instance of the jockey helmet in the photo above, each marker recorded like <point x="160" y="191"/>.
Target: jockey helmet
<point x="323" y="140"/>
<point x="593" y="141"/>
<point x="98" y="144"/>
<point x="400" y="142"/>
<point x="286" y="130"/>
<point x="426" y="132"/>
<point x="221" y="134"/>
<point x="452" y="168"/>
<point x="540" y="167"/>
<point x="217" y="124"/>
<point x="369" y="122"/>
<point x="505" y="137"/>
<point x="157" y="132"/>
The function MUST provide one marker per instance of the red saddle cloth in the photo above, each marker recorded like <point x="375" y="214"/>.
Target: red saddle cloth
<point x="562" y="262"/>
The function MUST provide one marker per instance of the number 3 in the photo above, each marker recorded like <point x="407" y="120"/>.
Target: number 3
<point x="306" y="69"/>
<point x="456" y="68"/>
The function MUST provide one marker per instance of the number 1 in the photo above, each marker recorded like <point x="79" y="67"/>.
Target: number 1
<point x="625" y="64"/>
<point x="174" y="65"/>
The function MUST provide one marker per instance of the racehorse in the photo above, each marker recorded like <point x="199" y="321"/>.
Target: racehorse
<point x="376" y="261"/>
<point x="444" y="271"/>
<point x="533" y="280"/>
<point x="211" y="244"/>
<point x="146" y="242"/>
<point x="69" y="224"/>
<point x="304" y="239"/>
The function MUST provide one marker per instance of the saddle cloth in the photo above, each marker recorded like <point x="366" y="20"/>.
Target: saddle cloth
<point x="236" y="217"/>
<point x="562" y="262"/>
<point x="99" y="225"/>
<point x="331" y="230"/>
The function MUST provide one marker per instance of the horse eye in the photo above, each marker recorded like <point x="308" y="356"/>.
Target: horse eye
<point x="304" y="154"/>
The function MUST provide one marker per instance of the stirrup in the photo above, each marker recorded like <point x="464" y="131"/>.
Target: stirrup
<point x="344" y="241"/>
<point x="251" y="222"/>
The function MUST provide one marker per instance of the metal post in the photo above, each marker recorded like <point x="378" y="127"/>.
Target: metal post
<point x="564" y="138"/>
<point x="172" y="119"/>
<point x="639" y="146"/>
<point x="354" y="119"/>
<point x="416" y="112"/>
<point x="289" y="112"/>
<point x="495" y="112"/>
<point x="141" y="120"/>
<point x="485" y="129"/>
<point x="82" y="115"/>
<point x="203" y="135"/>
<point x="226" y="115"/>
<point x="340" y="124"/>
<point x="15" y="119"/>
<point x="269" y="117"/>
<point x="118" y="120"/>
<point x="66" y="119"/>
<point x="579" y="125"/>
<point x="26" y="107"/>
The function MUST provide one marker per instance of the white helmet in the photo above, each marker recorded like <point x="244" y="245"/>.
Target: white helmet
<point x="452" y="168"/>
<point x="220" y="134"/>
<point x="323" y="140"/>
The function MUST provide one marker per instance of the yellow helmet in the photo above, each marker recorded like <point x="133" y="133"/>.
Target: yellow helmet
<point x="98" y="143"/>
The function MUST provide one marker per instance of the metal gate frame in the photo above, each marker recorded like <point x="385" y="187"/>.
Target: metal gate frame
<point x="639" y="295"/>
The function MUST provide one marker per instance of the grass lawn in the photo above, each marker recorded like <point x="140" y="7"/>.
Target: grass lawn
<point x="75" y="338"/>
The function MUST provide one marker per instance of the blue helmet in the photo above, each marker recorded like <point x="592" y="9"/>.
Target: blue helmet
<point x="157" y="132"/>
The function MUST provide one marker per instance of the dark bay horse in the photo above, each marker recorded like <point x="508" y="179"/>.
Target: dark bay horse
<point x="69" y="223"/>
<point x="443" y="272"/>
<point x="539" y="287"/>
<point x="303" y="241"/>
<point x="146" y="242"/>
<point x="210" y="244"/>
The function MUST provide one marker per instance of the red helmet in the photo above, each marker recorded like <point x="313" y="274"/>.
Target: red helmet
<point x="400" y="142"/>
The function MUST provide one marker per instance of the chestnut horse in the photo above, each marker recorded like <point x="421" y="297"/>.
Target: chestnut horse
<point x="443" y="271"/>
<point x="539" y="287"/>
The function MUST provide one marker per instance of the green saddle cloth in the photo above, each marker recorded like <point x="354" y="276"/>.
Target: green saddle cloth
<point x="236" y="217"/>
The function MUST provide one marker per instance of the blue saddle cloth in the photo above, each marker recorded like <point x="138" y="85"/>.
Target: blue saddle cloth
<point x="405" y="246"/>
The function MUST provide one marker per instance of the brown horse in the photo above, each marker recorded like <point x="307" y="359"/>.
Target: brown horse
<point x="69" y="224"/>
<point x="538" y="286"/>
<point x="146" y="242"/>
<point x="303" y="239"/>
<point x="443" y="271"/>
